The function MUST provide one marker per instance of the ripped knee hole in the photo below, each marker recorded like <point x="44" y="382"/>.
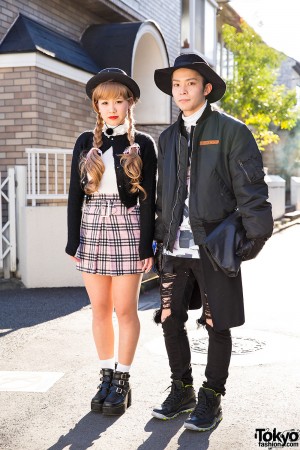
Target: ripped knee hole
<point x="165" y="313"/>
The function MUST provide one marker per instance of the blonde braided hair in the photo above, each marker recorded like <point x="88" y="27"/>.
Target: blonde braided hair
<point x="91" y="165"/>
<point x="132" y="162"/>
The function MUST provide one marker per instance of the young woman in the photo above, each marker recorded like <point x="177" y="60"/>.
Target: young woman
<point x="111" y="211"/>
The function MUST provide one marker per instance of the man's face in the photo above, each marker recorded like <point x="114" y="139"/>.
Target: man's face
<point x="188" y="90"/>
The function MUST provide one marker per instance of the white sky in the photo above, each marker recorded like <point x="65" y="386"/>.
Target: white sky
<point x="277" y="22"/>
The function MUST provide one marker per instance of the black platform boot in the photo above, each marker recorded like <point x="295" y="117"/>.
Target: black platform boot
<point x="119" y="397"/>
<point x="103" y="389"/>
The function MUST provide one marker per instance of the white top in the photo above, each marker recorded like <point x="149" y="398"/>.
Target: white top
<point x="108" y="183"/>
<point x="190" y="121"/>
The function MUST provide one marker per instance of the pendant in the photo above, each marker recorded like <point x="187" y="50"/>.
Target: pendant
<point x="109" y="131"/>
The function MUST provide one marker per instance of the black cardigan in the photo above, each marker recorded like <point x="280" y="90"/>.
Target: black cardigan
<point x="147" y="207"/>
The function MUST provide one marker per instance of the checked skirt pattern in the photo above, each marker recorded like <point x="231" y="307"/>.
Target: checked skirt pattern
<point x="109" y="237"/>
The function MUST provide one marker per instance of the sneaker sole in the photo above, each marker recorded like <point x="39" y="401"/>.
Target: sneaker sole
<point x="162" y="417"/>
<point x="190" y="426"/>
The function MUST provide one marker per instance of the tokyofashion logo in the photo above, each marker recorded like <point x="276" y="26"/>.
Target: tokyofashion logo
<point x="277" y="439"/>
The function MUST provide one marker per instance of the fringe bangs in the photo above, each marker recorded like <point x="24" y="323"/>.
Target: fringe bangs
<point x="111" y="89"/>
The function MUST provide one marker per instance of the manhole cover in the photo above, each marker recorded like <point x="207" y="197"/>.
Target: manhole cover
<point x="240" y="345"/>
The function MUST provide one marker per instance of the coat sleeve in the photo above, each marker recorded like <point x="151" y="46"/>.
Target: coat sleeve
<point x="147" y="205"/>
<point x="250" y="189"/>
<point x="75" y="198"/>
<point x="159" y="233"/>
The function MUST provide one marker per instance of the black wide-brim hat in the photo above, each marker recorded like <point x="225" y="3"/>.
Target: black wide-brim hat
<point x="163" y="77"/>
<point x="112" y="74"/>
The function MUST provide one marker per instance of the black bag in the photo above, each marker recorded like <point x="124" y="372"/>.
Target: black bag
<point x="222" y="243"/>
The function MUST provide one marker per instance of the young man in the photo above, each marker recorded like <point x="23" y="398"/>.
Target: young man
<point x="208" y="166"/>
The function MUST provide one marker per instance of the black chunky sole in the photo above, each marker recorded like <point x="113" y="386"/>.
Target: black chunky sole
<point x="95" y="407"/>
<point x="119" y="409"/>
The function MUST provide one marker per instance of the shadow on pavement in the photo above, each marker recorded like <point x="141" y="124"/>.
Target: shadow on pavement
<point x="194" y="439"/>
<point x="149" y="299"/>
<point x="163" y="431"/>
<point x="21" y="308"/>
<point x="85" y="432"/>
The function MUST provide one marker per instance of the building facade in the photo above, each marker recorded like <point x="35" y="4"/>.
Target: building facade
<point x="44" y="66"/>
<point x="48" y="51"/>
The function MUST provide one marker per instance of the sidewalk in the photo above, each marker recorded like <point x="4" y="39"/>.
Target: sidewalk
<point x="48" y="330"/>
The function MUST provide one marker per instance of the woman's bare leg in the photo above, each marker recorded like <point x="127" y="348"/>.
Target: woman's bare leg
<point x="125" y="294"/>
<point x="99" y="289"/>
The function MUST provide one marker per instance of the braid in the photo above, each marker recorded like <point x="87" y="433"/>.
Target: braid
<point x="132" y="162"/>
<point x="97" y="142"/>
<point x="131" y="129"/>
<point x="91" y="165"/>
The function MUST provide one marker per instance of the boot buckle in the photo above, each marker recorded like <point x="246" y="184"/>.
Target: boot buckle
<point x="119" y="390"/>
<point x="122" y="382"/>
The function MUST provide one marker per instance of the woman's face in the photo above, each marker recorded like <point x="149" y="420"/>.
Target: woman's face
<point x="113" y="111"/>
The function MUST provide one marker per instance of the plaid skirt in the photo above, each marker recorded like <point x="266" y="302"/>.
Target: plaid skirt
<point x="109" y="237"/>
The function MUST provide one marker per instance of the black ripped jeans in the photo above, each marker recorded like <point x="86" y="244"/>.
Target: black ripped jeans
<point x="177" y="284"/>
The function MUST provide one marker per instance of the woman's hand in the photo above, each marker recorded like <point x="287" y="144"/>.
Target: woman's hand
<point x="147" y="264"/>
<point x="74" y="258"/>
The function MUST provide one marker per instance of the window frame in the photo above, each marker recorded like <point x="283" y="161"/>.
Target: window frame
<point x="192" y="32"/>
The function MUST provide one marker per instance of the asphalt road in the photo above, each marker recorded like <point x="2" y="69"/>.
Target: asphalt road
<point x="49" y="369"/>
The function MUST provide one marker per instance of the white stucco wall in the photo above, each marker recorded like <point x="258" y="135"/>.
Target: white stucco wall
<point x="42" y="258"/>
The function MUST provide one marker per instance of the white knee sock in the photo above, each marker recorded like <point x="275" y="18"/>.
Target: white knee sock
<point x="107" y="363"/>
<point x="122" y="368"/>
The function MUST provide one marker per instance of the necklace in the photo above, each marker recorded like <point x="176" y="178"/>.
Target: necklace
<point x="109" y="130"/>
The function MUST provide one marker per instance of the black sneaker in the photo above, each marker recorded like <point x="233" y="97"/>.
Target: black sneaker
<point x="180" y="400"/>
<point x="207" y="413"/>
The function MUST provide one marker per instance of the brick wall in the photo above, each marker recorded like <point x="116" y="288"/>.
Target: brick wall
<point x="40" y="109"/>
<point x="43" y="110"/>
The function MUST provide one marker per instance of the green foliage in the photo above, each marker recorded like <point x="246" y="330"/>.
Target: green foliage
<point x="253" y="95"/>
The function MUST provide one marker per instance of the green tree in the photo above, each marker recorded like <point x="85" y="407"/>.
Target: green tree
<point x="253" y="95"/>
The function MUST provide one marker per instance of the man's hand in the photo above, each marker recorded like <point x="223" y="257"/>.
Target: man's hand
<point x="158" y="257"/>
<point x="250" y="248"/>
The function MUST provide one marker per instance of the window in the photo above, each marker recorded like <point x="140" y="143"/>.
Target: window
<point x="185" y="25"/>
<point x="298" y="95"/>
<point x="225" y="61"/>
<point x="198" y="28"/>
<point x="210" y="31"/>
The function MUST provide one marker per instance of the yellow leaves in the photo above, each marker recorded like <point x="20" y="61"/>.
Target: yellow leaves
<point x="265" y="138"/>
